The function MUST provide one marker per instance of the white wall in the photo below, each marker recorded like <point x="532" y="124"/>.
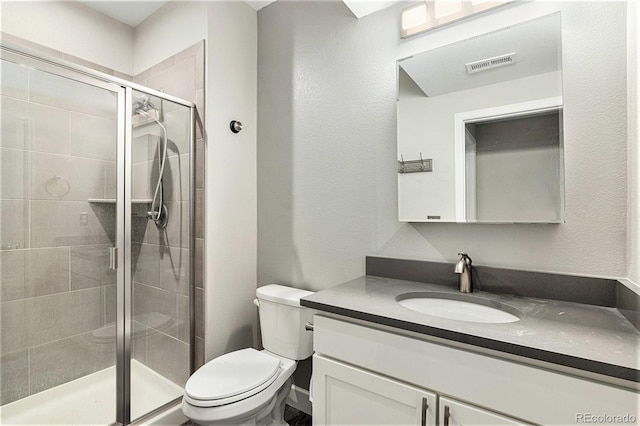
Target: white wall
<point x="327" y="146"/>
<point x="633" y="152"/>
<point x="174" y="27"/>
<point x="231" y="178"/>
<point x="73" y="28"/>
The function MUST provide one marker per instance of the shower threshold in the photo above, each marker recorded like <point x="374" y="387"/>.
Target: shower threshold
<point x="91" y="400"/>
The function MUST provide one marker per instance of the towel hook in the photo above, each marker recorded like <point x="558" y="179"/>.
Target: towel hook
<point x="235" y="126"/>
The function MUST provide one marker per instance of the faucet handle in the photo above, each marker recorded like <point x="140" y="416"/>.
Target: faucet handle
<point x="465" y="257"/>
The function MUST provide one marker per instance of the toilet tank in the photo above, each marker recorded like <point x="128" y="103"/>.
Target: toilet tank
<point x="282" y="321"/>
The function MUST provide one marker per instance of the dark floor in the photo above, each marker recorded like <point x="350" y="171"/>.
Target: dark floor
<point x="292" y="416"/>
<point x="296" y="418"/>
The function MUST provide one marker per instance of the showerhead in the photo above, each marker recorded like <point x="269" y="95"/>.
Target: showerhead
<point x="144" y="106"/>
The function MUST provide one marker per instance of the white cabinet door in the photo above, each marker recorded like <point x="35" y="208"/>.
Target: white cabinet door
<point x="455" y="413"/>
<point x="346" y="395"/>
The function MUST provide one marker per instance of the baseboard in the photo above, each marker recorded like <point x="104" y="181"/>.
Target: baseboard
<point x="299" y="399"/>
<point x="628" y="301"/>
<point x="635" y="287"/>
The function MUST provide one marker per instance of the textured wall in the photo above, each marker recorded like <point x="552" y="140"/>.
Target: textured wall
<point x="633" y="117"/>
<point x="327" y="144"/>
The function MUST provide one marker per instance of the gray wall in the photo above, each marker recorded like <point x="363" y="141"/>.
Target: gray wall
<point x="327" y="144"/>
<point x="231" y="178"/>
<point x="518" y="178"/>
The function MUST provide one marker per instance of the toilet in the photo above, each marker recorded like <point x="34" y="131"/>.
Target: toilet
<point x="250" y="387"/>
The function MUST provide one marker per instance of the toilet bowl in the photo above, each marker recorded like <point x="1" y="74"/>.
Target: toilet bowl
<point x="250" y="387"/>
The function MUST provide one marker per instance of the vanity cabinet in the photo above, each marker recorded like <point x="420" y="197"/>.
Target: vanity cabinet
<point x="366" y="374"/>
<point x="347" y="395"/>
<point x="456" y="413"/>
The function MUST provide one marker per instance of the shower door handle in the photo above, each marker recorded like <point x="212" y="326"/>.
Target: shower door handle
<point x="113" y="258"/>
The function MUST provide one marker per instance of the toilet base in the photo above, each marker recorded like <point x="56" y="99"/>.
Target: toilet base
<point x="273" y="415"/>
<point x="269" y="414"/>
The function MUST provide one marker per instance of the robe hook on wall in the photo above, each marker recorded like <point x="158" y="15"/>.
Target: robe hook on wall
<point x="415" y="166"/>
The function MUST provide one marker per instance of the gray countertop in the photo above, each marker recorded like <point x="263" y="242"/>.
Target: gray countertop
<point x="587" y="337"/>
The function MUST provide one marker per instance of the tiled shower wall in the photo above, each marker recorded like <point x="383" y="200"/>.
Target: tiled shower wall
<point x="54" y="267"/>
<point x="57" y="151"/>
<point x="181" y="75"/>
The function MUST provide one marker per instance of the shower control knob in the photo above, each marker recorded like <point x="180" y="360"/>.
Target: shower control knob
<point x="235" y="126"/>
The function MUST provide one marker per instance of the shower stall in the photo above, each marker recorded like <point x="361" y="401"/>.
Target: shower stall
<point x="96" y="244"/>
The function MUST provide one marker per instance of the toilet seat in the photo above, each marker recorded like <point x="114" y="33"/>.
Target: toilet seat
<point x="253" y="402"/>
<point x="232" y="377"/>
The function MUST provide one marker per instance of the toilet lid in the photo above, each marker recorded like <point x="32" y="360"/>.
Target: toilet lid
<point x="232" y="374"/>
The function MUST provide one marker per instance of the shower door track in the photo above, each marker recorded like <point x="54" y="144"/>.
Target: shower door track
<point x="21" y="55"/>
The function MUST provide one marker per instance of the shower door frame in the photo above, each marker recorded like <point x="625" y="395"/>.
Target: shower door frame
<point x="39" y="61"/>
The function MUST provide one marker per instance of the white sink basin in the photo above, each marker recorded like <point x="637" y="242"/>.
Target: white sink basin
<point x="459" y="310"/>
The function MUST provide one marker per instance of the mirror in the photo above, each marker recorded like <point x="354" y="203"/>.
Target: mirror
<point x="480" y="129"/>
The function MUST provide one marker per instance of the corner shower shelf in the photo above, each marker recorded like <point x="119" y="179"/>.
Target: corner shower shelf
<point x="113" y="201"/>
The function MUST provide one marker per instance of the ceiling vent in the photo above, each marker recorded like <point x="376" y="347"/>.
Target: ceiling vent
<point x="487" y="64"/>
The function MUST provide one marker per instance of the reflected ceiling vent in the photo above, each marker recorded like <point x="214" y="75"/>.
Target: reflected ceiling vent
<point x="487" y="64"/>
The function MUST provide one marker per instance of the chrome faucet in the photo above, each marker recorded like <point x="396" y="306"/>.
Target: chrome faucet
<point x="463" y="267"/>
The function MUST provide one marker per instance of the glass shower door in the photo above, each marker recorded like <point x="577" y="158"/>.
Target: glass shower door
<point x="60" y="139"/>
<point x="161" y="251"/>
